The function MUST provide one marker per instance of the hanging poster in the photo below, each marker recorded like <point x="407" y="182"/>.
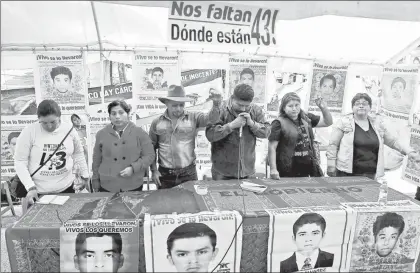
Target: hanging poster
<point x="61" y="77"/>
<point x="203" y="155"/>
<point x="398" y="87"/>
<point x="202" y="242"/>
<point x="411" y="169"/>
<point x="251" y="71"/>
<point x="384" y="238"/>
<point x="80" y="124"/>
<point x="199" y="84"/>
<point x="99" y="246"/>
<point x="307" y="239"/>
<point x="328" y="82"/>
<point x="117" y="85"/>
<point x="11" y="127"/>
<point x="18" y="92"/>
<point x="96" y="123"/>
<point x="153" y="73"/>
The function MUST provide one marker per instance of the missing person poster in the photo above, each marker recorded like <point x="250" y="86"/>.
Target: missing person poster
<point x="411" y="169"/>
<point x="61" y="77"/>
<point x="307" y="239"/>
<point x="249" y="70"/>
<point x="99" y="246"/>
<point x="11" y="127"/>
<point x="203" y="155"/>
<point x="201" y="242"/>
<point x="399" y="85"/>
<point x="153" y="74"/>
<point x="18" y="92"/>
<point x="96" y="123"/>
<point x="384" y="238"/>
<point x="80" y="124"/>
<point x="328" y="82"/>
<point x="200" y="84"/>
<point x="117" y="85"/>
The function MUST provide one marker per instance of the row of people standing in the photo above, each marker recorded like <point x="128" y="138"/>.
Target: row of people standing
<point x="123" y="152"/>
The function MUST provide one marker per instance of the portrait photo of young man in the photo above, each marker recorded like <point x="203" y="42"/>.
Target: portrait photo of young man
<point x="247" y="76"/>
<point x="61" y="77"/>
<point x="308" y="232"/>
<point x="192" y="247"/>
<point x="387" y="230"/>
<point x="98" y="252"/>
<point x="157" y="82"/>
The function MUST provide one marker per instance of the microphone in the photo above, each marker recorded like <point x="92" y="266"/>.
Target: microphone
<point x="240" y="131"/>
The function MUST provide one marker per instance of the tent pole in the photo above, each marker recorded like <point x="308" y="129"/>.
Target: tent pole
<point x="101" y="55"/>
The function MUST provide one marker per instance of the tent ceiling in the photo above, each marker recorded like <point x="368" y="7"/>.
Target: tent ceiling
<point x="130" y="26"/>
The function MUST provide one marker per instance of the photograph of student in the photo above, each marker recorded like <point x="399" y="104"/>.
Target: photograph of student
<point x="191" y="247"/>
<point x="416" y="61"/>
<point x="81" y="130"/>
<point x="247" y="76"/>
<point x="157" y="82"/>
<point x="387" y="230"/>
<point x="61" y="77"/>
<point x="328" y="87"/>
<point x="98" y="252"/>
<point x="11" y="141"/>
<point x="398" y="86"/>
<point x="308" y="232"/>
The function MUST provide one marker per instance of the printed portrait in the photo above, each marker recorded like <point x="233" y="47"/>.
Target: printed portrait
<point x="398" y="92"/>
<point x="252" y="75"/>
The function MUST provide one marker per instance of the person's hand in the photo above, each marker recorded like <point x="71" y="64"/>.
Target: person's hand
<point x="32" y="196"/>
<point x="127" y="172"/>
<point x="274" y="174"/>
<point x="248" y="118"/>
<point x="155" y="178"/>
<point x="238" y="122"/>
<point x="331" y="171"/>
<point x="96" y="185"/>
<point x="320" y="103"/>
<point x="215" y="96"/>
<point x="414" y="156"/>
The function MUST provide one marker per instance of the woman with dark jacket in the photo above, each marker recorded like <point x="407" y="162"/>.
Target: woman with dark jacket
<point x="290" y="148"/>
<point x="122" y="153"/>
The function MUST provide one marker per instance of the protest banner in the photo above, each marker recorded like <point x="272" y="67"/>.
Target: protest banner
<point x="328" y="82"/>
<point x="96" y="123"/>
<point x="411" y="169"/>
<point x="61" y="77"/>
<point x="384" y="238"/>
<point x="203" y="155"/>
<point x="81" y="126"/>
<point x="251" y="71"/>
<point x="398" y="88"/>
<point x="221" y="24"/>
<point x="172" y="242"/>
<point x="99" y="246"/>
<point x="153" y="73"/>
<point x="117" y="85"/>
<point x="11" y="127"/>
<point x="307" y="239"/>
<point x="18" y="92"/>
<point x="198" y="85"/>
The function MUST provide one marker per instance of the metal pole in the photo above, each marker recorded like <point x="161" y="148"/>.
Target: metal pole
<point x="101" y="55"/>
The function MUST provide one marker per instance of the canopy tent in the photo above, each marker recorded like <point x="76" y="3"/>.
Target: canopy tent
<point x="40" y="25"/>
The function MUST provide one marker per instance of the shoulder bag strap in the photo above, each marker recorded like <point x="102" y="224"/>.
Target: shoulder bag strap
<point x="59" y="145"/>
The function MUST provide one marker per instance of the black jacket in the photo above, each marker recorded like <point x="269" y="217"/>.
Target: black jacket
<point x="325" y="259"/>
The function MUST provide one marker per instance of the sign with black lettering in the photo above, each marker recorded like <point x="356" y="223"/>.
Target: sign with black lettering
<point x="221" y="24"/>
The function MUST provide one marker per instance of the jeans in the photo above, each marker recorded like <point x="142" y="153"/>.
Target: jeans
<point x="218" y="176"/>
<point x="137" y="189"/>
<point x="173" y="177"/>
<point x="368" y="175"/>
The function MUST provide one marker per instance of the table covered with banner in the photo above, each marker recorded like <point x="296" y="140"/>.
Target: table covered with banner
<point x="35" y="245"/>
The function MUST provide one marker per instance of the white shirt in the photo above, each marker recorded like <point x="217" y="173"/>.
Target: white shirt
<point x="300" y="259"/>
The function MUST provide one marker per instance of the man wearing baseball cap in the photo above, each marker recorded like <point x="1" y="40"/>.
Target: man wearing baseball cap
<point x="173" y="136"/>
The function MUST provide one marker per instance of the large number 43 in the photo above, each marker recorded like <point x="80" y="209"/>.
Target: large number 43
<point x="59" y="162"/>
<point x="268" y="18"/>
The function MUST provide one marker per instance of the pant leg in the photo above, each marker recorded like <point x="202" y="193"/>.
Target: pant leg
<point x="69" y="190"/>
<point x="418" y="194"/>
<point x="168" y="180"/>
<point x="218" y="176"/>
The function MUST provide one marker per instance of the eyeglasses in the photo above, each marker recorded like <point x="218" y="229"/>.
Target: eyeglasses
<point x="364" y="104"/>
<point x="54" y="122"/>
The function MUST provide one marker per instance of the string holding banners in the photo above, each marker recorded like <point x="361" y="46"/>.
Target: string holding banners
<point x="251" y="71"/>
<point x="307" y="239"/>
<point x="61" y="77"/>
<point x="328" y="83"/>
<point x="399" y="85"/>
<point x="108" y="245"/>
<point x="199" y="242"/>
<point x="153" y="74"/>
<point x="411" y="169"/>
<point x="384" y="238"/>
<point x="221" y="24"/>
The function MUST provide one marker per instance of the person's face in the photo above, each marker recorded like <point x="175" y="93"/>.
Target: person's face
<point x="397" y="89"/>
<point x="247" y="79"/>
<point x="201" y="141"/>
<point x="50" y="123"/>
<point x="76" y="121"/>
<point x="308" y="237"/>
<point x="12" y="145"/>
<point x="157" y="77"/>
<point x="386" y="240"/>
<point x="416" y="61"/>
<point x="118" y="116"/>
<point x="62" y="83"/>
<point x="240" y="106"/>
<point x="327" y="86"/>
<point x="192" y="254"/>
<point x="361" y="107"/>
<point x="99" y="254"/>
<point x="292" y="109"/>
<point x="175" y="108"/>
